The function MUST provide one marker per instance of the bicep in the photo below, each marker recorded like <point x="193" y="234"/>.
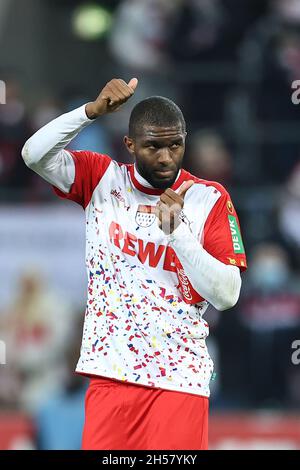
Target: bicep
<point x="222" y="237"/>
<point x="58" y="170"/>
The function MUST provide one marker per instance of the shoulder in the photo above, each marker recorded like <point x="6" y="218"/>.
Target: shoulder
<point x="206" y="185"/>
<point x="89" y="156"/>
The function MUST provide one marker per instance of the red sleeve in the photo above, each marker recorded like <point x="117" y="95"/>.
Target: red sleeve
<point x="89" y="169"/>
<point x="222" y="233"/>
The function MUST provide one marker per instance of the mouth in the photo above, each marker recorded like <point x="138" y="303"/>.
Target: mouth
<point x="164" y="173"/>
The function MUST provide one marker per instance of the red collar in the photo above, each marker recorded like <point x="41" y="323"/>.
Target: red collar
<point x="153" y="191"/>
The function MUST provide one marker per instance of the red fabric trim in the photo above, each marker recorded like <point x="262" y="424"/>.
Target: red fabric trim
<point x="189" y="294"/>
<point x="217" y="234"/>
<point x="89" y="169"/>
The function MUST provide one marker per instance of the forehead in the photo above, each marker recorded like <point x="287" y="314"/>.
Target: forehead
<point x="160" y="133"/>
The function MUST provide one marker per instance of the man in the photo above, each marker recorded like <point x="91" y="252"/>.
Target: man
<point x="161" y="245"/>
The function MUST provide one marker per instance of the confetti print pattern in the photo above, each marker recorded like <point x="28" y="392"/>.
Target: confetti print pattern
<point x="137" y="327"/>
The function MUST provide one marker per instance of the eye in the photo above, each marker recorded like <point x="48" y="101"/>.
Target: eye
<point x="151" y="146"/>
<point x="175" y="145"/>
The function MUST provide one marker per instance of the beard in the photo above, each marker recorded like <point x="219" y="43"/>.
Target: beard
<point x="155" y="180"/>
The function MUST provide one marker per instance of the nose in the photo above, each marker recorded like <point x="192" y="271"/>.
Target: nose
<point x="164" y="156"/>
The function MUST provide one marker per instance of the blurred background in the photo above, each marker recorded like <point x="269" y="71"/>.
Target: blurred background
<point x="230" y="65"/>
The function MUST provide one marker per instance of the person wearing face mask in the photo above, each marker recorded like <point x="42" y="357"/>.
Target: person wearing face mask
<point x="270" y="312"/>
<point x="289" y="213"/>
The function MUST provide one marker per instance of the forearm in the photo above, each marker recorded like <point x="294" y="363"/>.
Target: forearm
<point x="54" y="136"/>
<point x="44" y="152"/>
<point x="215" y="281"/>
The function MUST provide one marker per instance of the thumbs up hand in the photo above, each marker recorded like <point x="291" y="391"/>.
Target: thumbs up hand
<point x="111" y="98"/>
<point x="169" y="207"/>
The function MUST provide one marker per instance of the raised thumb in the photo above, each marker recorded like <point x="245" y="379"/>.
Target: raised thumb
<point x="133" y="83"/>
<point x="183" y="189"/>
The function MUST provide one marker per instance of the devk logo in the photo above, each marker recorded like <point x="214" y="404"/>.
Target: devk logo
<point x="296" y="354"/>
<point x="2" y="92"/>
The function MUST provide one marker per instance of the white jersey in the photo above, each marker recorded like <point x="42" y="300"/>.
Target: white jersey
<point x="144" y="321"/>
<point x="147" y="291"/>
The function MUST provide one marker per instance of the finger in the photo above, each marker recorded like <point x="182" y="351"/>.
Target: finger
<point x="127" y="90"/>
<point x="114" y="94"/>
<point x="162" y="211"/>
<point x="116" y="101"/>
<point x="165" y="208"/>
<point x="133" y="83"/>
<point x="108" y="97"/>
<point x="184" y="188"/>
<point x="173" y="195"/>
<point x="115" y="86"/>
<point x="123" y="89"/>
<point x="105" y="97"/>
<point x="167" y="219"/>
<point x="173" y="205"/>
<point x="158" y="214"/>
<point x="164" y="198"/>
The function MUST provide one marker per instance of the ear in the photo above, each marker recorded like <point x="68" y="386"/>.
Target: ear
<point x="129" y="143"/>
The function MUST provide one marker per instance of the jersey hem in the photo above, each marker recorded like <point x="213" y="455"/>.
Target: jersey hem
<point x="158" y="386"/>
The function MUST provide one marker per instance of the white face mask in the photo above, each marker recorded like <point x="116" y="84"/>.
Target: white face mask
<point x="270" y="274"/>
<point x="294" y="184"/>
<point x="289" y="9"/>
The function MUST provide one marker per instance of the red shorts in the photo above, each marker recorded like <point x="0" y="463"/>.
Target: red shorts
<point x="126" y="416"/>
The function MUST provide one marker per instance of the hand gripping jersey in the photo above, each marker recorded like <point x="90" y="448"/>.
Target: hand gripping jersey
<point x="144" y="320"/>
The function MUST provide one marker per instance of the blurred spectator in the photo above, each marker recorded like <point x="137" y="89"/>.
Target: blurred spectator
<point x="271" y="59"/>
<point x="94" y="138"/>
<point x="138" y="42"/>
<point x="46" y="110"/>
<point x="209" y="158"/>
<point x="139" y="36"/>
<point x="206" y="36"/>
<point x="270" y="311"/>
<point x="60" y="417"/>
<point x="288" y="10"/>
<point x="280" y="67"/>
<point x="36" y="329"/>
<point x="207" y="29"/>
<point x="14" y="130"/>
<point x="289" y="213"/>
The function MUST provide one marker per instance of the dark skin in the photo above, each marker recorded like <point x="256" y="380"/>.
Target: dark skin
<point x="158" y="151"/>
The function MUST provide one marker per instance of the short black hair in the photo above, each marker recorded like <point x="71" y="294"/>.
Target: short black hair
<point x="155" y="111"/>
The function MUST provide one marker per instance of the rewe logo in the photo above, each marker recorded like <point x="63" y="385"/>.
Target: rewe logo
<point x="147" y="252"/>
<point x="152" y="255"/>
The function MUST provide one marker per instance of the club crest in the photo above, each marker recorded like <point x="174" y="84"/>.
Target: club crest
<point x="145" y="215"/>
